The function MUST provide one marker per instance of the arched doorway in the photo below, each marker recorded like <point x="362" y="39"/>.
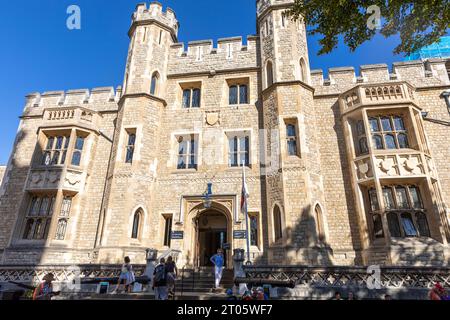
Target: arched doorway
<point x="211" y="234"/>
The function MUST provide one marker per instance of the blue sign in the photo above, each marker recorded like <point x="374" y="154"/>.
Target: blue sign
<point x="177" y="235"/>
<point x="240" y="234"/>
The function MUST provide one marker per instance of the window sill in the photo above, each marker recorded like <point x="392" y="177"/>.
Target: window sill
<point x="184" y="171"/>
<point x="232" y="169"/>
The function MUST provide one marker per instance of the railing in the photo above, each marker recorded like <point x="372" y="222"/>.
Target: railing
<point x="69" y="114"/>
<point x="359" y="277"/>
<point x="399" y="92"/>
<point x="63" y="273"/>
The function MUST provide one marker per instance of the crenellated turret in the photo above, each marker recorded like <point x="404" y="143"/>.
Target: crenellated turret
<point x="152" y="32"/>
<point x="284" y="49"/>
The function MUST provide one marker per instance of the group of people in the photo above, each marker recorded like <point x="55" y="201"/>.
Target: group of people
<point x="252" y="295"/>
<point x="164" y="277"/>
<point x="166" y="272"/>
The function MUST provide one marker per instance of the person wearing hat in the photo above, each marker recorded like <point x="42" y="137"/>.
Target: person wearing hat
<point x="45" y="290"/>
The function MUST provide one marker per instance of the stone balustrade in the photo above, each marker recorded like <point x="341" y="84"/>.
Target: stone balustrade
<point x="70" y="116"/>
<point x="380" y="94"/>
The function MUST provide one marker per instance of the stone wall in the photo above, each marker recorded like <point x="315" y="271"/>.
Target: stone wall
<point x="2" y="173"/>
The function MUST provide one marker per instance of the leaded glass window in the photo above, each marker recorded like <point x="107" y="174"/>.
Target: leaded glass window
<point x="78" y="151"/>
<point x="55" y="152"/>
<point x="408" y="225"/>
<point x="389" y="132"/>
<point x="402" y="197"/>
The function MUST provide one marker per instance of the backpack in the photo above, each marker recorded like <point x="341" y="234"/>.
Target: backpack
<point x="160" y="273"/>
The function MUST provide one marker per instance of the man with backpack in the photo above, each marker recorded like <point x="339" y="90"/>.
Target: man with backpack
<point x="160" y="281"/>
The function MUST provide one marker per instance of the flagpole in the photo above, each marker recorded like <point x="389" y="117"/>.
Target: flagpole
<point x="246" y="214"/>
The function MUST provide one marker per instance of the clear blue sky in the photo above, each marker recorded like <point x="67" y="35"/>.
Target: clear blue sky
<point x="40" y="54"/>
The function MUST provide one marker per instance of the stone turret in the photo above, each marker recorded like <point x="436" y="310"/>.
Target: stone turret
<point x="294" y="182"/>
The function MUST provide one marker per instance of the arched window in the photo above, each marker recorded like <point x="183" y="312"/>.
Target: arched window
<point x="269" y="74"/>
<point x="136" y="224"/>
<point x="303" y="71"/>
<point x="318" y="215"/>
<point x="277" y="225"/>
<point x="154" y="84"/>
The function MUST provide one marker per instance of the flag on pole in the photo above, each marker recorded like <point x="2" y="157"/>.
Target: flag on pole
<point x="245" y="194"/>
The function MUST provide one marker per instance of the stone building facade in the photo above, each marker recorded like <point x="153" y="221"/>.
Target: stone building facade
<point x="349" y="170"/>
<point x="2" y="173"/>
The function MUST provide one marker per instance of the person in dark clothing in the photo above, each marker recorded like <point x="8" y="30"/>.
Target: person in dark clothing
<point x="160" y="280"/>
<point x="172" y="273"/>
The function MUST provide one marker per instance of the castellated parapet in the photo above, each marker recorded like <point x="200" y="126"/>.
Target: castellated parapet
<point x="203" y="57"/>
<point x="98" y="99"/>
<point x="417" y="73"/>
<point x="154" y="13"/>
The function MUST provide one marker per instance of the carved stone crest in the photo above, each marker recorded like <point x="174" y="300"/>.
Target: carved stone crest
<point x="212" y="118"/>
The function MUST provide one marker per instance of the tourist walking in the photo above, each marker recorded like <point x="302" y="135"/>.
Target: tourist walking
<point x="218" y="261"/>
<point x="45" y="290"/>
<point x="160" y="281"/>
<point x="172" y="273"/>
<point x="126" y="277"/>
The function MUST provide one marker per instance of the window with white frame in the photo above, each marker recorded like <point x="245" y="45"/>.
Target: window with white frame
<point x="238" y="149"/>
<point x="187" y="152"/>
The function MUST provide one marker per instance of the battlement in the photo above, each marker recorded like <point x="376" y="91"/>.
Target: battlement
<point x="203" y="56"/>
<point x="154" y="12"/>
<point x="418" y="73"/>
<point x="263" y="5"/>
<point x="79" y="97"/>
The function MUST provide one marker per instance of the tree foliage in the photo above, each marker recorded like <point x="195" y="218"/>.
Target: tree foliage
<point x="419" y="23"/>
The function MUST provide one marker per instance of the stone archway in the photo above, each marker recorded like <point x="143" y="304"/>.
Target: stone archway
<point x="211" y="229"/>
